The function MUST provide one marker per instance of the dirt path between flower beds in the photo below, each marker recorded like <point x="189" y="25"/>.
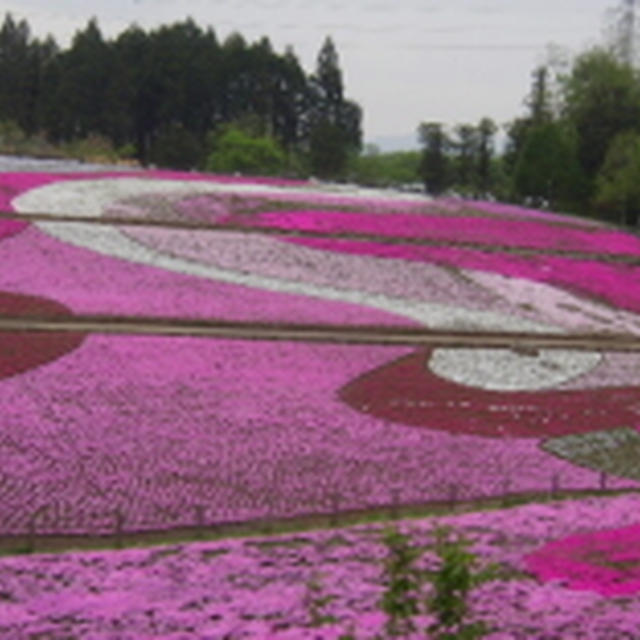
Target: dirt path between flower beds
<point x="613" y="258"/>
<point x="524" y="343"/>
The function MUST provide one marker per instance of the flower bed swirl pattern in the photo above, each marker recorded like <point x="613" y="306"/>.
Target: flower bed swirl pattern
<point x="163" y="432"/>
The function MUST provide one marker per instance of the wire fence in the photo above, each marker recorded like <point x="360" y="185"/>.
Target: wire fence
<point x="111" y="527"/>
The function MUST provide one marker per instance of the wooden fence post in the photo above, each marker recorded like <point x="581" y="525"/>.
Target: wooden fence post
<point x="200" y="520"/>
<point x="453" y="495"/>
<point x="603" y="480"/>
<point x="31" y="533"/>
<point x="555" y="485"/>
<point x="394" y="511"/>
<point x="506" y="486"/>
<point x="118" y="527"/>
<point x="335" y="509"/>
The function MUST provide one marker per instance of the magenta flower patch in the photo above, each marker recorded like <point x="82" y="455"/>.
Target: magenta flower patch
<point x="607" y="562"/>
<point x="21" y="351"/>
<point x="546" y="235"/>
<point x="11" y="227"/>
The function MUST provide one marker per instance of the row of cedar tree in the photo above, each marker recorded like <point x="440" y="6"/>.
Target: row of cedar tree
<point x="165" y="93"/>
<point x="177" y="97"/>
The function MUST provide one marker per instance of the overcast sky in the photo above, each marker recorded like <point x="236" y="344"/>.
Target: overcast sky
<point x="404" y="61"/>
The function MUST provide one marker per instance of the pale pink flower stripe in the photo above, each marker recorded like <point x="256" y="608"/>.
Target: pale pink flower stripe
<point x="259" y="587"/>
<point x="615" y="284"/>
<point x="91" y="283"/>
<point x="242" y="428"/>
<point x="516" y="233"/>
<point x="270" y="257"/>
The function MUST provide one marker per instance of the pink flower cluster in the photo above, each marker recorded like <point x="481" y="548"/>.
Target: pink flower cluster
<point x="607" y="562"/>
<point x="543" y="234"/>
<point x="316" y="584"/>
<point x="11" y="227"/>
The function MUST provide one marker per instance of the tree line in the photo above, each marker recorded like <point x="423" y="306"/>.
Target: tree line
<point x="576" y="148"/>
<point x="177" y="96"/>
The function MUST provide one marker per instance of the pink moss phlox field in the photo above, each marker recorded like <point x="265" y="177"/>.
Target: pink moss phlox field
<point x="264" y="587"/>
<point x="182" y="422"/>
<point x="604" y="561"/>
<point x="155" y="432"/>
<point x="521" y="233"/>
<point x="178" y="423"/>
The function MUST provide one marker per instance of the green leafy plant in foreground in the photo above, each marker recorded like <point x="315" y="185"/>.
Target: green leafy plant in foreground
<point x="456" y="576"/>
<point x="400" y="600"/>
<point x="452" y="582"/>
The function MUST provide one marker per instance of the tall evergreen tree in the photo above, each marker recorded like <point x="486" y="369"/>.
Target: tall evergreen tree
<point x="539" y="112"/>
<point x="486" y="133"/>
<point x="434" y="165"/>
<point x="84" y="74"/>
<point x="539" y="99"/>
<point x="22" y="60"/>
<point x="334" y="124"/>
<point x="150" y="89"/>
<point x="465" y="147"/>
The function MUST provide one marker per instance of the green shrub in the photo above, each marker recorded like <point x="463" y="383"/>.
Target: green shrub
<point x="237" y="151"/>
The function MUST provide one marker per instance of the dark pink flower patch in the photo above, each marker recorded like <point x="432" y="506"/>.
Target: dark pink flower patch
<point x="406" y="392"/>
<point x="24" y="350"/>
<point x="11" y="227"/>
<point x="485" y="230"/>
<point x="607" y="562"/>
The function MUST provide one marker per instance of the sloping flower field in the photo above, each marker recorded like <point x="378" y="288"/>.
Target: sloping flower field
<point x="563" y="573"/>
<point x="105" y="432"/>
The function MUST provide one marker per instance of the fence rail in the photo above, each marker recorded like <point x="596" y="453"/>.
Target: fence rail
<point x="47" y="527"/>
